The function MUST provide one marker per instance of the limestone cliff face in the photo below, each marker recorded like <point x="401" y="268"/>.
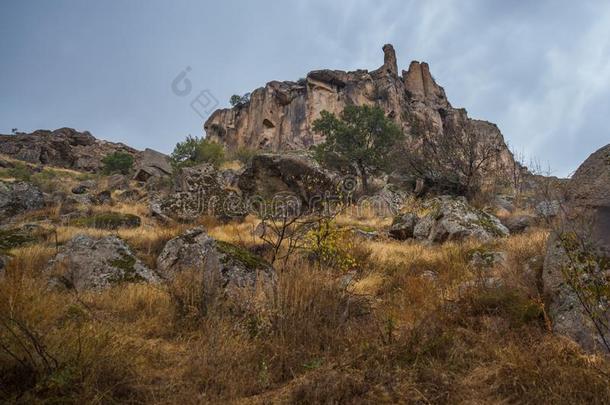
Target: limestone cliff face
<point x="280" y="115"/>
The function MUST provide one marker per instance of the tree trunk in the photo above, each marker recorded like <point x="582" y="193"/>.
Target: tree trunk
<point x="364" y="177"/>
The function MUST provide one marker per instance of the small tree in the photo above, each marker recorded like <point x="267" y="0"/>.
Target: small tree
<point x="362" y="136"/>
<point x="14" y="131"/>
<point x="236" y="100"/>
<point x="117" y="162"/>
<point x="194" y="150"/>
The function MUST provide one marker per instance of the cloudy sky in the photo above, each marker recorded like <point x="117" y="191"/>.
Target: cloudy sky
<point x="539" y="69"/>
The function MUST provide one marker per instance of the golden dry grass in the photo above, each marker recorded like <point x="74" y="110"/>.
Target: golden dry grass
<point x="416" y="325"/>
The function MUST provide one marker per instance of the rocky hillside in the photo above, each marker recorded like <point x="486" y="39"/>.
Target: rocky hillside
<point x="64" y="147"/>
<point x="279" y="116"/>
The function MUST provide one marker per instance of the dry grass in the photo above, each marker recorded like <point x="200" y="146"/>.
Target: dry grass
<point x="415" y="326"/>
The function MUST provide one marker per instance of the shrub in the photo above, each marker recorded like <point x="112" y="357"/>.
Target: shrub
<point x="117" y="162"/>
<point x="244" y="154"/>
<point x="237" y="101"/>
<point x="194" y="150"/>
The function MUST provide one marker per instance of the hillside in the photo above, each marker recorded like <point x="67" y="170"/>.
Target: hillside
<point x="278" y="276"/>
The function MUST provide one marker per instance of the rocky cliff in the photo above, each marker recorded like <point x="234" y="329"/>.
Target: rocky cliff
<point x="280" y="115"/>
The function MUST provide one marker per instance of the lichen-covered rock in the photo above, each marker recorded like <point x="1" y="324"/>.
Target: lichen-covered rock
<point x="87" y="263"/>
<point x="19" y="197"/>
<point x="199" y="190"/>
<point x="452" y="219"/>
<point x="403" y="226"/>
<point x="576" y="275"/>
<point x="226" y="268"/>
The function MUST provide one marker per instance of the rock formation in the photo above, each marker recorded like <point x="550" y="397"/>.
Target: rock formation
<point x="577" y="263"/>
<point x="64" y="147"/>
<point x="226" y="268"/>
<point x="19" y="197"/>
<point x="448" y="219"/>
<point x="279" y="116"/>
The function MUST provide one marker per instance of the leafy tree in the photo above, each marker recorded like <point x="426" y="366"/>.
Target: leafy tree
<point x="194" y="150"/>
<point x="15" y="130"/>
<point x="117" y="162"/>
<point x="236" y="100"/>
<point x="362" y="136"/>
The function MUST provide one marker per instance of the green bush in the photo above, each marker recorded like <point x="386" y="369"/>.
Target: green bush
<point x="19" y="171"/>
<point x="193" y="151"/>
<point x="117" y="162"/>
<point x="244" y="154"/>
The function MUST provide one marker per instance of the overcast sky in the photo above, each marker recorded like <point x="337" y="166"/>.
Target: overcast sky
<point x="539" y="69"/>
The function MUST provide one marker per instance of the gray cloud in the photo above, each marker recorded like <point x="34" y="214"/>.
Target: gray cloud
<point x="540" y="70"/>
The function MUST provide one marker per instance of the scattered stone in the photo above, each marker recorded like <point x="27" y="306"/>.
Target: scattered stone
<point x="89" y="263"/>
<point x="84" y="187"/>
<point x="403" y="226"/>
<point x="104" y="197"/>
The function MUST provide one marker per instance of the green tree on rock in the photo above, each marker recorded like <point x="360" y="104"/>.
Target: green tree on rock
<point x="193" y="151"/>
<point x="361" y="135"/>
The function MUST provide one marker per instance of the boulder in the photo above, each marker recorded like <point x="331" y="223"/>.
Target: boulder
<point x="19" y="197"/>
<point x="451" y="219"/>
<point x="152" y="164"/>
<point x="198" y="191"/>
<point x="226" y="268"/>
<point x="86" y="263"/>
<point x="577" y="263"/>
<point x="519" y="223"/>
<point x="84" y="187"/>
<point x="269" y="175"/>
<point x="403" y="226"/>
<point x="103" y="197"/>
<point x="117" y="182"/>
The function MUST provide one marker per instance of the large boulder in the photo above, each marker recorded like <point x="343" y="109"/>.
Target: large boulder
<point x="452" y="218"/>
<point x="403" y="226"/>
<point x="87" y="263"/>
<point x="269" y="175"/>
<point x="19" y="197"/>
<point x="226" y="268"/>
<point x="199" y="190"/>
<point x="152" y="164"/>
<point x="576" y="275"/>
